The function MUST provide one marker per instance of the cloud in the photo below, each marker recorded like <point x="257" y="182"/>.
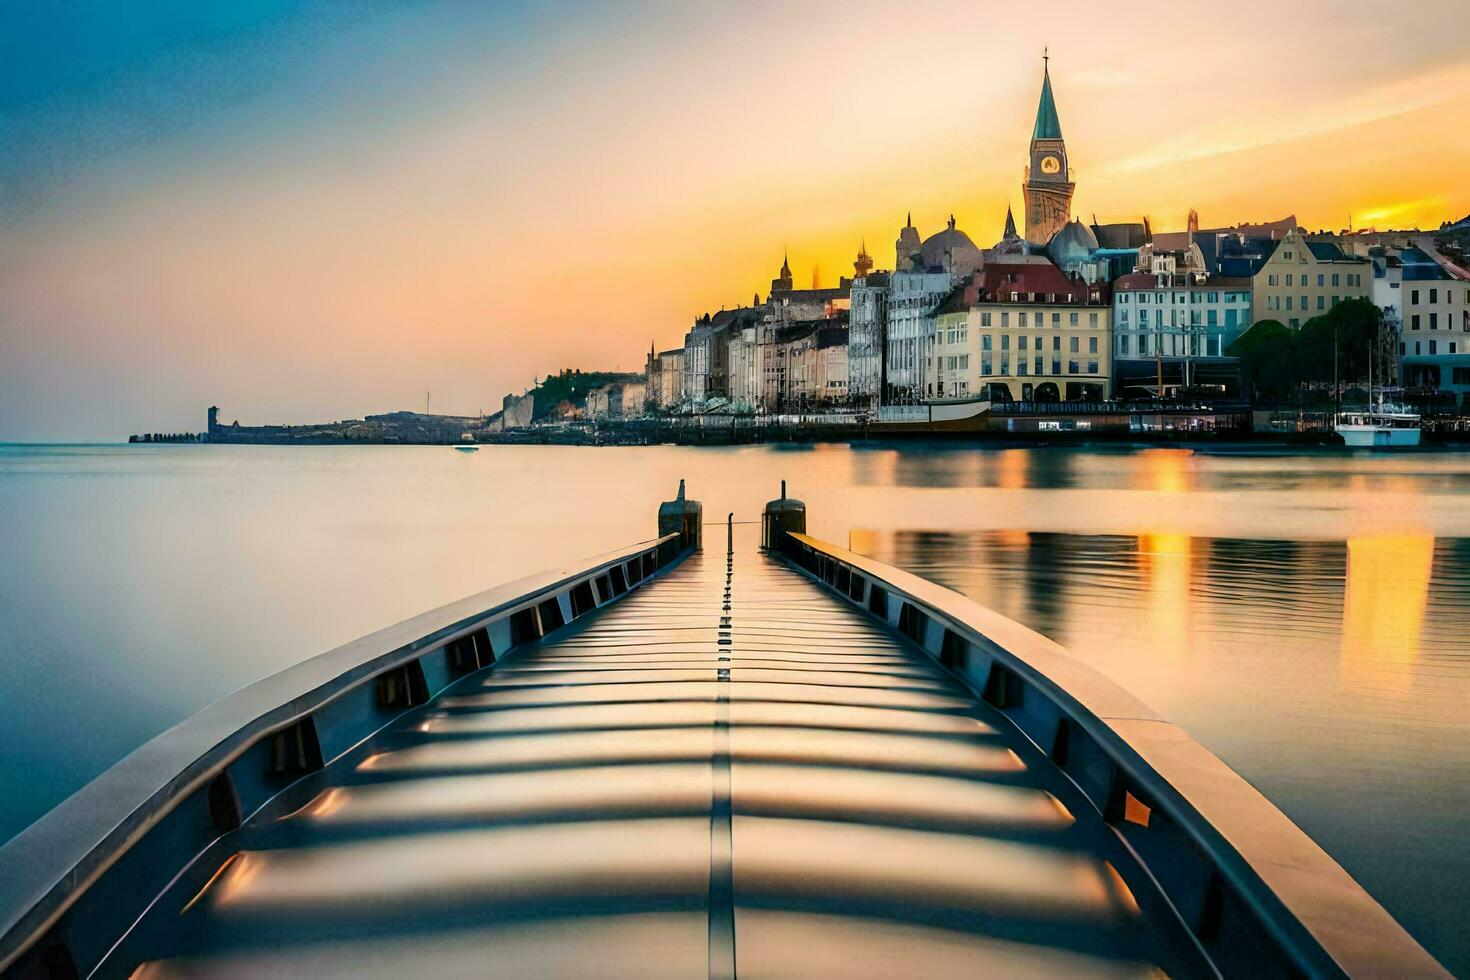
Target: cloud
<point x="1382" y="102"/>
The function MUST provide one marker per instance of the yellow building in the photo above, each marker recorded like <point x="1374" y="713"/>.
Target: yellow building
<point x="1304" y="279"/>
<point x="1024" y="332"/>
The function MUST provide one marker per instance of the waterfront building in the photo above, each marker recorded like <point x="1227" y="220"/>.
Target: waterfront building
<point x="867" y="338"/>
<point x="1434" y="344"/>
<point x="816" y="358"/>
<point x="1300" y="279"/>
<point x="913" y="299"/>
<point x="1024" y="332"/>
<point x="665" y="379"/>
<point x="1047" y="184"/>
<point x="1170" y="314"/>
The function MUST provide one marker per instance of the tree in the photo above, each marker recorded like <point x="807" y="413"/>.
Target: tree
<point x="1352" y="327"/>
<point x="1267" y="353"/>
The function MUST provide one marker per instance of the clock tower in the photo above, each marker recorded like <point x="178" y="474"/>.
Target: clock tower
<point x="1047" y="186"/>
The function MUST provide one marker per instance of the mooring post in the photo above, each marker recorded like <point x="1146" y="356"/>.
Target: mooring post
<point x="782" y="515"/>
<point x="682" y="517"/>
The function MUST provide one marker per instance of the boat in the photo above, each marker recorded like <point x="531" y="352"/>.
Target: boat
<point x="1383" y="427"/>
<point x="468" y="449"/>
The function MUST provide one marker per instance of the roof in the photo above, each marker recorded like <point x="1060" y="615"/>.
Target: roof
<point x="998" y="280"/>
<point x="1048" y="126"/>
<point x="1325" y="251"/>
<point x="1148" y="281"/>
<point x="1123" y="234"/>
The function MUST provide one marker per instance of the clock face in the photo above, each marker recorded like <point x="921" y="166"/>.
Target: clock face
<point x="1050" y="165"/>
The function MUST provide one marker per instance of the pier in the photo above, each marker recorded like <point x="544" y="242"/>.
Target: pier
<point x="731" y="750"/>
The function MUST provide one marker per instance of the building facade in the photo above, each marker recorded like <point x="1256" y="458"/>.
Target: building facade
<point x="1024" y="333"/>
<point x="867" y="338"/>
<point x="1178" y="315"/>
<point x="913" y="301"/>
<point x="1301" y="279"/>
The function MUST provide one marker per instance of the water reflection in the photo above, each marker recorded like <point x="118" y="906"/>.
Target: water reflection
<point x="1334" y="674"/>
<point x="1387" y="588"/>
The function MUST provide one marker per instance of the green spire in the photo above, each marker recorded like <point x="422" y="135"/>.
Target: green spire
<point x="1048" y="126"/>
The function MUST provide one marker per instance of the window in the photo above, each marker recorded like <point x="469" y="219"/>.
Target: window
<point x="1091" y="367"/>
<point x="1092" y="319"/>
<point x="1414" y="322"/>
<point x="1073" y="347"/>
<point x="1021" y="342"/>
<point x="1289" y="278"/>
<point x="1304" y="302"/>
<point x="1143" y="345"/>
<point x="1322" y="301"/>
<point x="1433" y="322"/>
<point x="1072" y="319"/>
<point x="1123" y="346"/>
<point x="1092" y="345"/>
<point x="1021" y="318"/>
<point x="985" y="364"/>
<point x="1288" y="256"/>
<point x="1021" y="365"/>
<point x="1434" y="347"/>
<point x="1414" y="296"/>
<point x="1005" y="364"/>
<point x="1143" y="318"/>
<point x="1005" y="341"/>
<point x="985" y="341"/>
<point x="1434" y="295"/>
<point x="1336" y="280"/>
<point x="1322" y="280"/>
<point x="964" y="362"/>
<point x="1271" y="279"/>
<point x="1005" y="319"/>
<point x="1056" y="343"/>
<point x="1056" y="320"/>
<point x="1211" y="317"/>
<point x="1288" y="302"/>
<point x="985" y="319"/>
<point x="1074" y="366"/>
<point x="1056" y="365"/>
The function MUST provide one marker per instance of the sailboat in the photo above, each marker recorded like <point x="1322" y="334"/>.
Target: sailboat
<point x="1380" y="425"/>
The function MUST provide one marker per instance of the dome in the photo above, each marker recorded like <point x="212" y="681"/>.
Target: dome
<point x="1074" y="241"/>
<point x="950" y="250"/>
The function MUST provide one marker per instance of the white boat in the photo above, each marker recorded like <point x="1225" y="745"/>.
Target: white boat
<point x="1378" y="428"/>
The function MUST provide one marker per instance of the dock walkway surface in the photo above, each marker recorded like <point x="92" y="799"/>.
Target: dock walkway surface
<point x="731" y="771"/>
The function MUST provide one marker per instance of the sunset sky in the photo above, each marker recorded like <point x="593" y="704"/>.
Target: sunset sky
<point x="306" y="212"/>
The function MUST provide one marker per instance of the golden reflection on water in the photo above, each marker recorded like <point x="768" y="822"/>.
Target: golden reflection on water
<point x="1166" y="561"/>
<point x="1164" y="470"/>
<point x="1383" y="610"/>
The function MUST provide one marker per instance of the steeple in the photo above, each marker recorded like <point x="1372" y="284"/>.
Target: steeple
<point x="1048" y="125"/>
<point x="864" y="263"/>
<point x="785" y="264"/>
<point x="1010" y="231"/>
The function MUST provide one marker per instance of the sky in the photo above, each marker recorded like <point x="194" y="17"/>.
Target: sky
<point x="315" y="211"/>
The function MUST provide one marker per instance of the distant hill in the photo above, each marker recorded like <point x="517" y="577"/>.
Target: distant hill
<point x="573" y="386"/>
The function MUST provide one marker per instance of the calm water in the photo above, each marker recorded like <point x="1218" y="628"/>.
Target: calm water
<point x="1303" y="616"/>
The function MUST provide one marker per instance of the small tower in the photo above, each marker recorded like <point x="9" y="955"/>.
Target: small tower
<point x="907" y="246"/>
<point x="783" y="283"/>
<point x="864" y="262"/>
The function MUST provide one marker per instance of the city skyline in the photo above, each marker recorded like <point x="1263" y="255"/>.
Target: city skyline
<point x="315" y="215"/>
